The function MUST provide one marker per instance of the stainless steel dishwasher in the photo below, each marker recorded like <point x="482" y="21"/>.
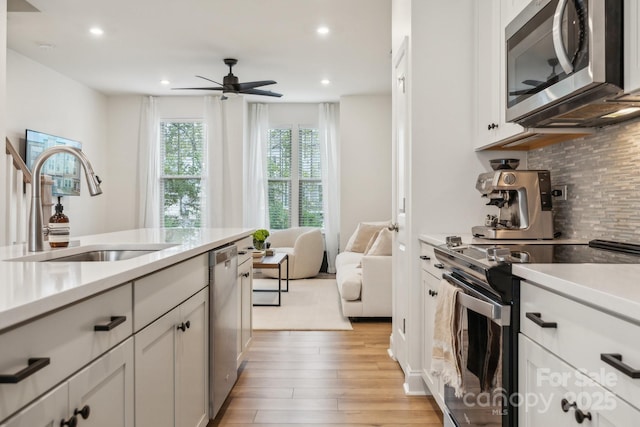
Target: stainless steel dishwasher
<point x="223" y="330"/>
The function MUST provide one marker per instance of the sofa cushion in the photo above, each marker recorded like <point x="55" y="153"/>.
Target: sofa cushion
<point x="363" y="234"/>
<point x="351" y="286"/>
<point x="345" y="258"/>
<point x="383" y="244"/>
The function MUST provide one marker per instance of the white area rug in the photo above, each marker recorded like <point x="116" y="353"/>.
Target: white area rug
<point x="310" y="304"/>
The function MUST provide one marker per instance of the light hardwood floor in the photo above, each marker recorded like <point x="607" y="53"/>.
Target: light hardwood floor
<point x="324" y="378"/>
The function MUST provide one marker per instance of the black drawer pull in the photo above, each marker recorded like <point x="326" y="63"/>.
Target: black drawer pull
<point x="115" y="321"/>
<point x="84" y="412"/>
<point x="615" y="360"/>
<point x="537" y="319"/>
<point x="184" y="326"/>
<point x="242" y="252"/>
<point x="35" y="364"/>
<point x="439" y="265"/>
<point x="425" y="257"/>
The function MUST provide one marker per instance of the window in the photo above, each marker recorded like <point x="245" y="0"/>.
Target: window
<point x="295" y="180"/>
<point x="181" y="151"/>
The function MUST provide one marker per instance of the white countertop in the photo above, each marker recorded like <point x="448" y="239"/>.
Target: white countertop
<point x="30" y="289"/>
<point x="613" y="288"/>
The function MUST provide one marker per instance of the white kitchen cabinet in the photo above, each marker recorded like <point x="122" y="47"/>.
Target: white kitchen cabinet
<point x="47" y="411"/>
<point x="66" y="340"/>
<point x="563" y="344"/>
<point x="557" y="394"/>
<point x="430" y="276"/>
<point x="245" y="296"/>
<point x="103" y="391"/>
<point x="631" y="46"/>
<point x="99" y="395"/>
<point x="490" y="87"/>
<point x="171" y="376"/>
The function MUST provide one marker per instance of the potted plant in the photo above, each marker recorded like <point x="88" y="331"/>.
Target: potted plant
<point x="259" y="237"/>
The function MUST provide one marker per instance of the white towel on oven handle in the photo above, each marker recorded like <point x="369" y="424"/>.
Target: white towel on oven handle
<point x="446" y="355"/>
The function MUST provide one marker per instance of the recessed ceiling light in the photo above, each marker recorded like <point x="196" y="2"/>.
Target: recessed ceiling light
<point x="165" y="82"/>
<point x="323" y="30"/>
<point x="325" y="82"/>
<point x="96" y="31"/>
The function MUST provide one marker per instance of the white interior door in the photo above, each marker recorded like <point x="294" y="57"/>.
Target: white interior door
<point x="400" y="204"/>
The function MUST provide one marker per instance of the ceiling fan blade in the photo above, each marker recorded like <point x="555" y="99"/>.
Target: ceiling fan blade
<point x="196" y="88"/>
<point x="260" y="92"/>
<point x="533" y="82"/>
<point x="212" y="81"/>
<point x="251" y="85"/>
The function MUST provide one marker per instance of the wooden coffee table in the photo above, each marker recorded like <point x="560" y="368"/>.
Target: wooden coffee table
<point x="272" y="262"/>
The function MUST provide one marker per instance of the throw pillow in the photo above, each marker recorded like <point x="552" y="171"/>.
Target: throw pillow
<point x="371" y="241"/>
<point x="383" y="244"/>
<point x="363" y="234"/>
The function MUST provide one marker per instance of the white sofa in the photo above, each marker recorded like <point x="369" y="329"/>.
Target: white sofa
<point x="364" y="283"/>
<point x="364" y="272"/>
<point x="305" y="247"/>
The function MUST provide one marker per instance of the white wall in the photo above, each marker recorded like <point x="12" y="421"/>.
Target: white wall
<point x="41" y="99"/>
<point x="365" y="161"/>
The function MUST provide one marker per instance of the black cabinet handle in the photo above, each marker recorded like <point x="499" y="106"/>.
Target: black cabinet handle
<point x="537" y="319"/>
<point x="184" y="325"/>
<point x="245" y="275"/>
<point x="425" y="257"/>
<point x="115" y="321"/>
<point x="84" y="412"/>
<point x="242" y="252"/>
<point x="433" y="293"/>
<point x="439" y="265"/>
<point x="35" y="364"/>
<point x="615" y="360"/>
<point x="580" y="416"/>
<point x="71" y="422"/>
<point x="566" y="405"/>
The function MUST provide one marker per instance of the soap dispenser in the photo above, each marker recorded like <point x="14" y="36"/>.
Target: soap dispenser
<point x="59" y="228"/>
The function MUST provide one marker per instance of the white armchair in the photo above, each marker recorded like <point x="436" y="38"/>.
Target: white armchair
<point x="305" y="247"/>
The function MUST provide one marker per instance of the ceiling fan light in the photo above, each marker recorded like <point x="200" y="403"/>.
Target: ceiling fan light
<point x="165" y="82"/>
<point x="325" y="82"/>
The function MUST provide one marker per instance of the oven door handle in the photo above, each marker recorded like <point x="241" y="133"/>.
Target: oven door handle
<point x="497" y="313"/>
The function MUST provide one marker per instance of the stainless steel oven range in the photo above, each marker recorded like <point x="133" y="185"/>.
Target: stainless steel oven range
<point x="490" y="297"/>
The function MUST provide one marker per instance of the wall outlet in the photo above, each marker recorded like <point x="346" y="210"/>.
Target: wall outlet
<point x="559" y="192"/>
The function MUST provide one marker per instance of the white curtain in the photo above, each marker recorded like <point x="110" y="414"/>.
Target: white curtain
<point x="256" y="206"/>
<point x="217" y="163"/>
<point x="148" y="178"/>
<point x="328" y="132"/>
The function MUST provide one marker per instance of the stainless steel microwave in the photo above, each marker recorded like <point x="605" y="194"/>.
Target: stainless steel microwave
<point x="564" y="63"/>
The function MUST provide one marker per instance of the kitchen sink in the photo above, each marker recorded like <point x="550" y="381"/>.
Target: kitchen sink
<point x="103" y="255"/>
<point x="94" y="253"/>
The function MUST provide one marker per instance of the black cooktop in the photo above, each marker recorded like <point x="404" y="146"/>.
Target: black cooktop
<point x="596" y="252"/>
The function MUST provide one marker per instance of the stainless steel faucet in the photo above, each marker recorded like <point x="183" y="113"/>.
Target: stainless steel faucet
<point x="35" y="216"/>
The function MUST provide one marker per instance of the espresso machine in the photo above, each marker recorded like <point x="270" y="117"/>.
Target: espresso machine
<point x="523" y="199"/>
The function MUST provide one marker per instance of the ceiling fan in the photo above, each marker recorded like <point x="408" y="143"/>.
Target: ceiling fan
<point x="230" y="84"/>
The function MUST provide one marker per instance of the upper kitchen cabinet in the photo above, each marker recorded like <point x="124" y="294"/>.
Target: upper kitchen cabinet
<point x="631" y="46"/>
<point x="490" y="122"/>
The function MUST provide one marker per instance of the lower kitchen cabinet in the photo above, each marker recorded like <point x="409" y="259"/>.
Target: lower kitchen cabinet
<point x="557" y="394"/>
<point x="172" y="365"/>
<point x="99" y="395"/>
<point x="430" y="276"/>
<point x="430" y="291"/>
<point x="245" y="284"/>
